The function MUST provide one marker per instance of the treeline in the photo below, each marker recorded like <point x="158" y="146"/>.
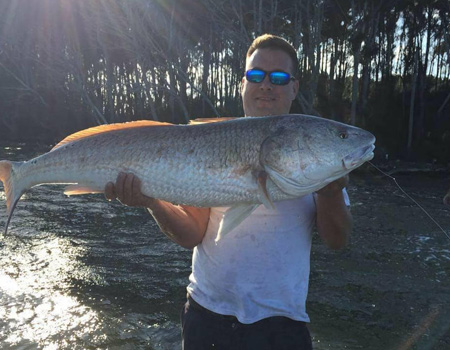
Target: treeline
<point x="383" y="65"/>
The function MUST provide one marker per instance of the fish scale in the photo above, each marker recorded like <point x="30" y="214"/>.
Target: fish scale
<point x="239" y="163"/>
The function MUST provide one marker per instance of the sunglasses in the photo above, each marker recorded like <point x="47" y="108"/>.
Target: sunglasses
<point x="276" y="77"/>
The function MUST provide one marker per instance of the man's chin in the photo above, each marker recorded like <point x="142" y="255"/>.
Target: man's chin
<point x="260" y="113"/>
<point x="262" y="109"/>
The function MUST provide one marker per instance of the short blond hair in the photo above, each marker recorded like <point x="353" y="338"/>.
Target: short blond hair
<point x="274" y="42"/>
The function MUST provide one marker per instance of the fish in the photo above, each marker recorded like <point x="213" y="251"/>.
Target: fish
<point x="239" y="163"/>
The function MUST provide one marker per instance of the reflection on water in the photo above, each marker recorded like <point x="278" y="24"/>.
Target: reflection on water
<point x="68" y="291"/>
<point x="36" y="311"/>
<point x="82" y="273"/>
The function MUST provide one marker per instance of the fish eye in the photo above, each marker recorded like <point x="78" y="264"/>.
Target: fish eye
<point x="343" y="135"/>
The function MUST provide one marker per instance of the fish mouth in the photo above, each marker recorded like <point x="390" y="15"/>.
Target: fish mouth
<point x="358" y="157"/>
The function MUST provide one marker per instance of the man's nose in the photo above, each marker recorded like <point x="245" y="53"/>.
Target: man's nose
<point x="266" y="84"/>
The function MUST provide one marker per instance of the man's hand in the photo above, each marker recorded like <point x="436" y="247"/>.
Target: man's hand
<point x="182" y="224"/>
<point x="334" y="187"/>
<point x="127" y="190"/>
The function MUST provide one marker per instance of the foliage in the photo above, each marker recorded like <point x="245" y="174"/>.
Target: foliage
<point x="66" y="65"/>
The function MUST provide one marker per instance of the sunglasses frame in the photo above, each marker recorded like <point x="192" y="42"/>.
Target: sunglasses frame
<point x="271" y="78"/>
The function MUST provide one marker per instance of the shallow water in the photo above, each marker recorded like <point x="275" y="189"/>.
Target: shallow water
<point x="82" y="273"/>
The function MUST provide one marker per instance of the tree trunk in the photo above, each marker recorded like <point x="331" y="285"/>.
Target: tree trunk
<point x="355" y="86"/>
<point x="411" y="110"/>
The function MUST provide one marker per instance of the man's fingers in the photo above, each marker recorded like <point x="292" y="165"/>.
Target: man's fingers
<point x="137" y="187"/>
<point x="120" y="185"/>
<point x="334" y="187"/>
<point x="127" y="189"/>
<point x="339" y="184"/>
<point x="110" y="192"/>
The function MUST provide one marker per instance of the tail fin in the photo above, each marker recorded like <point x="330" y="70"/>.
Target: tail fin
<point x="12" y="196"/>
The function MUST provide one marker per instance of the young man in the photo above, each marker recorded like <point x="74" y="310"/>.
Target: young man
<point x="249" y="291"/>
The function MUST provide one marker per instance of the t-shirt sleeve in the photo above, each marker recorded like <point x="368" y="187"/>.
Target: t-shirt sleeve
<point x="346" y="198"/>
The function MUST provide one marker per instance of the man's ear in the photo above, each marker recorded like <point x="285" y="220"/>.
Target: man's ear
<point x="242" y="84"/>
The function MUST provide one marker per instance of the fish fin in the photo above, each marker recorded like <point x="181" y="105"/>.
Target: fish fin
<point x="233" y="217"/>
<point x="209" y="120"/>
<point x="107" y="128"/>
<point x="12" y="193"/>
<point x="261" y="179"/>
<point x="289" y="186"/>
<point x="74" y="190"/>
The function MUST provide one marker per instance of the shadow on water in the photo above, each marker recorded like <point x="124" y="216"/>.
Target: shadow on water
<point x="82" y="273"/>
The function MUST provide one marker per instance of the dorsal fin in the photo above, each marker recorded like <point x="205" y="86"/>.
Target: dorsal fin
<point x="209" y="120"/>
<point x="107" y="128"/>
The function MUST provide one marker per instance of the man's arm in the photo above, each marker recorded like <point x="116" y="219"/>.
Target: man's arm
<point x="334" y="220"/>
<point x="184" y="225"/>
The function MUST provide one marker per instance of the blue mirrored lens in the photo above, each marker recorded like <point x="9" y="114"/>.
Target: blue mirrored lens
<point x="255" y="75"/>
<point x="276" y="78"/>
<point x="279" y="78"/>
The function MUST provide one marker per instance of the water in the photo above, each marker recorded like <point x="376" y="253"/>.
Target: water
<point x="82" y="273"/>
<point x="92" y="278"/>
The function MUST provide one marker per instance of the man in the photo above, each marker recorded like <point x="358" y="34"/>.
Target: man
<point x="249" y="291"/>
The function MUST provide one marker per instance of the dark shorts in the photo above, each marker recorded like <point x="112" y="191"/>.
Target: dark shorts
<point x="205" y="330"/>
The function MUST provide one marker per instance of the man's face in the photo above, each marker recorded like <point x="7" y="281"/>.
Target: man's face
<point x="265" y="98"/>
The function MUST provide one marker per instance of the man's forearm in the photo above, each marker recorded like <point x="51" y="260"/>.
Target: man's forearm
<point x="185" y="226"/>
<point x="334" y="220"/>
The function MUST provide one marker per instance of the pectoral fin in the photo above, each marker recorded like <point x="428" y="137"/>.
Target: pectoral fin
<point x="289" y="186"/>
<point x="233" y="217"/>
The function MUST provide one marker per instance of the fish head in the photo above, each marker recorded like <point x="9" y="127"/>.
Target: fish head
<point x="335" y="150"/>
<point x="310" y="152"/>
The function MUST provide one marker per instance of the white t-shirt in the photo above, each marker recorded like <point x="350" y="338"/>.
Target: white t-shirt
<point x="261" y="268"/>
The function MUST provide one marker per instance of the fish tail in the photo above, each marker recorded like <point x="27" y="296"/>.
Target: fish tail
<point x="12" y="193"/>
